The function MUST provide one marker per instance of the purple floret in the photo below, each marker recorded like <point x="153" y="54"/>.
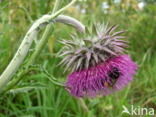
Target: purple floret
<point x="103" y="79"/>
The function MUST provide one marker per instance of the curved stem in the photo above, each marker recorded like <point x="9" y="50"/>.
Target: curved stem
<point x="24" y="47"/>
<point x="17" y="59"/>
<point x="71" y="21"/>
<point x="20" y="55"/>
<point x="62" y="19"/>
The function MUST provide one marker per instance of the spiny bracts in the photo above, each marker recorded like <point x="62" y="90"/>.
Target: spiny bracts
<point x="95" y="46"/>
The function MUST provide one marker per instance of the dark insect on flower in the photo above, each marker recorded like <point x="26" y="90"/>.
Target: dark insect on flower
<point x="96" y="62"/>
<point x="114" y="74"/>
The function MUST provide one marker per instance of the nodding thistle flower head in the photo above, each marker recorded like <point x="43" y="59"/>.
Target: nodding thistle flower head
<point x="105" y="78"/>
<point x="96" y="61"/>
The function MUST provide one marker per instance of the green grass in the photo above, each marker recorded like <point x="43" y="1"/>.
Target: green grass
<point x="49" y="100"/>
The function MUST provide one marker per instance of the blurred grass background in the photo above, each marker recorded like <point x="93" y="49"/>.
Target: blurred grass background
<point x="48" y="100"/>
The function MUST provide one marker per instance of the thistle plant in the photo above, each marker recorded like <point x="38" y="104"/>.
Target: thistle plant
<point x="94" y="56"/>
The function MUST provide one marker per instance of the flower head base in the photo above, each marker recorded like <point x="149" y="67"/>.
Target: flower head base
<point x="105" y="78"/>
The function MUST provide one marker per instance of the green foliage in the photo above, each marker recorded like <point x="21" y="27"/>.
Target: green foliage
<point x="41" y="98"/>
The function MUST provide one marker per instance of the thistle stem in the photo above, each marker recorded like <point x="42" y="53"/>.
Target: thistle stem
<point x="62" y="19"/>
<point x="56" y="6"/>
<point x="25" y="45"/>
<point x="44" y="37"/>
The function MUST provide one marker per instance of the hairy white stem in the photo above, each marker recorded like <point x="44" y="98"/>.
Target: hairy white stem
<point x="71" y="21"/>
<point x="28" y="39"/>
<point x="18" y="58"/>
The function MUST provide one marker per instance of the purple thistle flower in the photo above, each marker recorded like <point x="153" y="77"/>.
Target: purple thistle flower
<point x="97" y="62"/>
<point x="105" y="78"/>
